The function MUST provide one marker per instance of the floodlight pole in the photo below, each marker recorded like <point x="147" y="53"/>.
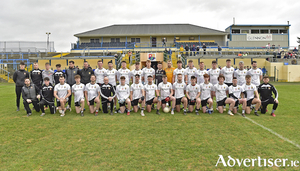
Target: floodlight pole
<point x="48" y="34"/>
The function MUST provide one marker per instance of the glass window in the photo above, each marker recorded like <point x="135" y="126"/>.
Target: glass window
<point x="118" y="40"/>
<point x="137" y="40"/>
<point x="245" y="31"/>
<point x="274" y="31"/>
<point x="236" y="31"/>
<point x="92" y="40"/>
<point x="264" y="31"/>
<point x="112" y="40"/>
<point x="97" y="41"/>
<point x="191" y="38"/>
<point x="254" y="31"/>
<point x="283" y="31"/>
<point x="177" y="38"/>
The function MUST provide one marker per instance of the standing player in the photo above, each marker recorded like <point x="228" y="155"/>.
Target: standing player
<point x="235" y="92"/>
<point x="137" y="94"/>
<point x="150" y="90"/>
<point x="30" y="95"/>
<point x="123" y="92"/>
<point x="189" y="72"/>
<point x="85" y="73"/>
<point x="148" y="70"/>
<point x="107" y="93"/>
<point x="100" y="73"/>
<point x="177" y="71"/>
<point x="58" y="73"/>
<point x="138" y="71"/>
<point x="228" y="71"/>
<point x="165" y="89"/>
<point x="47" y="96"/>
<point x="159" y="73"/>
<point x="92" y="94"/>
<point x="78" y="93"/>
<point x="199" y="73"/>
<point x="206" y="88"/>
<point x="240" y="74"/>
<point x="19" y="78"/>
<point x="255" y="73"/>
<point x="36" y="75"/>
<point x="70" y="77"/>
<point x="251" y="95"/>
<point x="62" y="92"/>
<point x="124" y="72"/>
<point x="193" y="94"/>
<point x="221" y="97"/>
<point x="179" y="89"/>
<point x="265" y="90"/>
<point x="213" y="73"/>
<point x="48" y="73"/>
<point x="111" y="74"/>
<point x="169" y="71"/>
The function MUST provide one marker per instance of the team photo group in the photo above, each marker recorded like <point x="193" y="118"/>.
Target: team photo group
<point x="173" y="90"/>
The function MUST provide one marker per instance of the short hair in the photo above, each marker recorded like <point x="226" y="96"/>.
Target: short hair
<point x="85" y="62"/>
<point x="201" y="62"/>
<point x="22" y="63"/>
<point x="137" y="75"/>
<point x="266" y="76"/>
<point x="148" y="61"/>
<point x="248" y="76"/>
<point x="159" y="63"/>
<point x="206" y="76"/>
<point x="123" y="62"/>
<point x="93" y="75"/>
<point x="122" y="78"/>
<point x="62" y="76"/>
<point x="150" y="76"/>
<point x="221" y="76"/>
<point x="241" y="62"/>
<point x="228" y="60"/>
<point x="58" y="65"/>
<point x="179" y="61"/>
<point x="190" y="61"/>
<point x="179" y="74"/>
<point x="137" y="63"/>
<point x="169" y="61"/>
<point x="72" y="62"/>
<point x="35" y="63"/>
<point x="100" y="61"/>
<point x="47" y="63"/>
<point x="46" y="79"/>
<point x="234" y="78"/>
<point x="253" y="62"/>
<point x="193" y="77"/>
<point x="164" y="76"/>
<point x="110" y="62"/>
<point x="77" y="76"/>
<point x="214" y="62"/>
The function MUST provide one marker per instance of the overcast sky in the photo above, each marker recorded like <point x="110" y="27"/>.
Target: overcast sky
<point x="29" y="20"/>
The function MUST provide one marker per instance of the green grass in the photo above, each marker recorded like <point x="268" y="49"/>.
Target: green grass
<point x="153" y="142"/>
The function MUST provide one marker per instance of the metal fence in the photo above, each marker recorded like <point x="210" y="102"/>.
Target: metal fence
<point x="26" y="46"/>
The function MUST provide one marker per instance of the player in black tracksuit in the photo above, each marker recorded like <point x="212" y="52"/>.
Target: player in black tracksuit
<point x="58" y="74"/>
<point x="159" y="73"/>
<point x="36" y="76"/>
<point x="107" y="92"/>
<point x="47" y="96"/>
<point x="19" y="77"/>
<point x="30" y="95"/>
<point x="266" y="91"/>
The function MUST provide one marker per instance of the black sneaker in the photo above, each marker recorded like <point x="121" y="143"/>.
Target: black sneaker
<point x="18" y="109"/>
<point x="29" y="114"/>
<point x="111" y="113"/>
<point x="256" y="113"/>
<point x="157" y="112"/>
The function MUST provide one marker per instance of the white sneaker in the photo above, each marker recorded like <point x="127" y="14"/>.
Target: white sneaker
<point x="60" y="111"/>
<point x="142" y="113"/>
<point x="70" y="109"/>
<point x="62" y="114"/>
<point x="230" y="113"/>
<point x="172" y="112"/>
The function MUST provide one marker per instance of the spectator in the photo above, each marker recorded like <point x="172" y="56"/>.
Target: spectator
<point x="198" y="49"/>
<point x="204" y="48"/>
<point x="164" y="42"/>
<point x="220" y="50"/>
<point x="268" y="46"/>
<point x="295" y="50"/>
<point x="129" y="55"/>
<point x="181" y="49"/>
<point x="194" y="49"/>
<point x="245" y="54"/>
<point x="240" y="54"/>
<point x="187" y="47"/>
<point x="170" y="51"/>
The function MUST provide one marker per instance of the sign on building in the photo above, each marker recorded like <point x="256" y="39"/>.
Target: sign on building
<point x="259" y="37"/>
<point x="152" y="56"/>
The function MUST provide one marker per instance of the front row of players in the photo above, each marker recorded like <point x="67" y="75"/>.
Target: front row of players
<point x="179" y="93"/>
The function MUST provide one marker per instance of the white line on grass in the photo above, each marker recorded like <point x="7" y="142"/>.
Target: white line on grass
<point x="270" y="130"/>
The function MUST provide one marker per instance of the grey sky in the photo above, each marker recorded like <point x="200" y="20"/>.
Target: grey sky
<point x="29" y="20"/>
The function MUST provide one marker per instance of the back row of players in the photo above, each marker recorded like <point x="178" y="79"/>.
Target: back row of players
<point x="188" y="86"/>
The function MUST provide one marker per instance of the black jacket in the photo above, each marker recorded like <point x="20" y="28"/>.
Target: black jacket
<point x="158" y="75"/>
<point x="47" y="93"/>
<point x="36" y="77"/>
<point x="107" y="90"/>
<point x="30" y="92"/>
<point x="57" y="74"/>
<point x="70" y="74"/>
<point x="266" y="90"/>
<point x="86" y="75"/>
<point x="19" y="77"/>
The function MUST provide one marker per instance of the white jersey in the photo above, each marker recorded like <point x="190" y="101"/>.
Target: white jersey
<point x="62" y="90"/>
<point x="123" y="72"/>
<point x="241" y="76"/>
<point x="136" y="90"/>
<point x="100" y="73"/>
<point x="92" y="90"/>
<point x="78" y="90"/>
<point x="199" y="74"/>
<point x="165" y="89"/>
<point x="236" y="91"/>
<point x="147" y="72"/>
<point x="150" y="91"/>
<point x="228" y="74"/>
<point x="178" y="71"/>
<point x="134" y="72"/>
<point x="249" y="89"/>
<point x="220" y="91"/>
<point x="255" y="76"/>
<point x="179" y="89"/>
<point x="190" y="72"/>
<point x="193" y="90"/>
<point x="206" y="90"/>
<point x="213" y="75"/>
<point x="111" y="75"/>
<point x="123" y="91"/>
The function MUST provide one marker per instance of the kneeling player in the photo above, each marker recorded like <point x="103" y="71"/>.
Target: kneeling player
<point x="235" y="92"/>
<point x="78" y="93"/>
<point x="47" y="97"/>
<point x="265" y="90"/>
<point x="151" y="89"/>
<point x="123" y="92"/>
<point x="62" y="92"/>
<point x="166" y="92"/>
<point x="221" y="96"/>
<point x="179" y="88"/>
<point x="193" y="94"/>
<point x="206" y="88"/>
<point x="251" y="95"/>
<point x="137" y="94"/>
<point x="92" y="94"/>
<point x="30" y="95"/>
<point x="108" y="94"/>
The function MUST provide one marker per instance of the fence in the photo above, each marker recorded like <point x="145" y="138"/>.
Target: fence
<point x="26" y="46"/>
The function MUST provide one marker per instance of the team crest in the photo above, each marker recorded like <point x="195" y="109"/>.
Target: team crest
<point x="74" y="72"/>
<point x="64" y="86"/>
<point x="24" y="73"/>
<point x="89" y="72"/>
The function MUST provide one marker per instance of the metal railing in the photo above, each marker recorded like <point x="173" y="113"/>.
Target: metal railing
<point x="26" y="46"/>
<point x="3" y="71"/>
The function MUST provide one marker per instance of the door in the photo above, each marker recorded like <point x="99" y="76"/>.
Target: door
<point x="153" y="41"/>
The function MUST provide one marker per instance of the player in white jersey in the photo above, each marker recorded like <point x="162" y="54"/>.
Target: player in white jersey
<point x="193" y="94"/>
<point x="61" y="92"/>
<point x="236" y="92"/>
<point x="148" y="70"/>
<point x="92" y="94"/>
<point x="78" y="93"/>
<point x="228" y="71"/>
<point x="240" y="74"/>
<point x="213" y="73"/>
<point x="189" y="72"/>
<point x="252" y="95"/>
<point x="100" y="73"/>
<point x="151" y="90"/>
<point x="124" y="72"/>
<point x="123" y="93"/>
<point x="221" y="96"/>
<point x="137" y="94"/>
<point x="256" y="74"/>
<point x="166" y="92"/>
<point x="199" y="73"/>
<point x="206" y="88"/>
<point x="138" y="71"/>
<point x="178" y="70"/>
<point x="111" y="74"/>
<point x="179" y="89"/>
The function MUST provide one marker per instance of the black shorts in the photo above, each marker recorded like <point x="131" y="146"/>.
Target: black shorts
<point x="178" y="101"/>
<point x="135" y="102"/>
<point x="191" y="103"/>
<point x="221" y="102"/>
<point x="92" y="102"/>
<point x="163" y="101"/>
<point x="249" y="102"/>
<point x="149" y="102"/>
<point x="204" y="102"/>
<point x="77" y="104"/>
<point x="229" y="84"/>
<point x="237" y="103"/>
<point x="122" y="104"/>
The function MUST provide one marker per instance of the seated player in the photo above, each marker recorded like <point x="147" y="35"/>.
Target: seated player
<point x="235" y="92"/>
<point x="30" y="95"/>
<point x="265" y="90"/>
<point x="137" y="94"/>
<point x="221" y="97"/>
<point x="193" y="94"/>
<point x="123" y="92"/>
<point x="78" y="93"/>
<point x="206" y="88"/>
<point x="47" y="97"/>
<point x="92" y="94"/>
<point x="166" y="92"/>
<point x="179" y="88"/>
<point x="107" y="92"/>
<point x="252" y="95"/>
<point x="150" y="90"/>
<point x="62" y="92"/>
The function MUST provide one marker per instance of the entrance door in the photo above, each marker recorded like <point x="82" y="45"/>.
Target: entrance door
<point x="154" y="65"/>
<point x="153" y="41"/>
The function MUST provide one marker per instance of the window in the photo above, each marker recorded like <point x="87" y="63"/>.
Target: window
<point x="245" y="31"/>
<point x="92" y="40"/>
<point x="177" y="38"/>
<point x="191" y="38"/>
<point x="236" y="31"/>
<point x="283" y="31"/>
<point x="97" y="41"/>
<point x="118" y="40"/>
<point x="274" y="31"/>
<point x="254" y="31"/>
<point x="264" y="31"/>
<point x="115" y="39"/>
<point x="136" y="40"/>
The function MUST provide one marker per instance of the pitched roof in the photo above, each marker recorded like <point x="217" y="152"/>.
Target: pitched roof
<point x="151" y="29"/>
